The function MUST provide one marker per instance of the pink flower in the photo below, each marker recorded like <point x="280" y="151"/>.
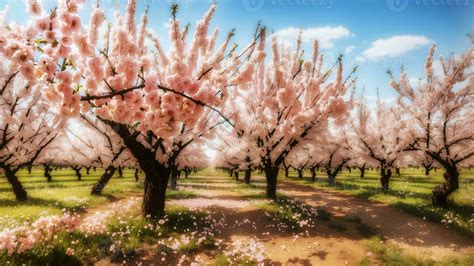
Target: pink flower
<point x="34" y="7"/>
<point x="43" y="23"/>
<point x="70" y="252"/>
<point x="49" y="36"/>
<point x="75" y="23"/>
<point x="95" y="66"/>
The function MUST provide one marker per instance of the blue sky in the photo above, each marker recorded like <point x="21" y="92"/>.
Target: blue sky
<point x="374" y="34"/>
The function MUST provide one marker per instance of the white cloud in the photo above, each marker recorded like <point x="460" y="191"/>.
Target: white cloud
<point x="349" y="49"/>
<point x="325" y="35"/>
<point x="394" y="46"/>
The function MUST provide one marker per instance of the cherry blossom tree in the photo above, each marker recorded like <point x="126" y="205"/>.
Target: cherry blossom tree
<point x="146" y="98"/>
<point x="238" y="154"/>
<point x="110" y="151"/>
<point x="440" y="111"/>
<point x="192" y="158"/>
<point x="336" y="152"/>
<point x="26" y="125"/>
<point x="286" y="102"/>
<point x="379" y="137"/>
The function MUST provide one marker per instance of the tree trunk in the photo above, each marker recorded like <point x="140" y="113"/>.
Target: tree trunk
<point x="440" y="193"/>
<point x="331" y="176"/>
<point x="155" y="192"/>
<point x="95" y="168"/>
<point x="47" y="172"/>
<point x="87" y="170"/>
<point x="174" y="178"/>
<point x="136" y="174"/>
<point x="300" y="173"/>
<point x="248" y="174"/>
<point x="287" y="170"/>
<point x="20" y="192"/>
<point x="427" y="170"/>
<point x="362" y="171"/>
<point x="231" y="172"/>
<point x="385" y="179"/>
<point x="236" y="174"/>
<point x="331" y="179"/>
<point x="78" y="173"/>
<point x="186" y="173"/>
<point x="313" y="170"/>
<point x="104" y="179"/>
<point x="120" y="171"/>
<point x="397" y="171"/>
<point x="271" y="174"/>
<point x="30" y="167"/>
<point x="349" y="169"/>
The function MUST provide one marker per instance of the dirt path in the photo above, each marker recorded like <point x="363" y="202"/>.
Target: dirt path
<point x="322" y="245"/>
<point x="244" y="221"/>
<point x="390" y="222"/>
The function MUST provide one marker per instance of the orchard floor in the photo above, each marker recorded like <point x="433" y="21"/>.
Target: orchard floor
<point x="359" y="232"/>
<point x="349" y="230"/>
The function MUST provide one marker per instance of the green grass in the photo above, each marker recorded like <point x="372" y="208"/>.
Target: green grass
<point x="411" y="191"/>
<point x="65" y="192"/>
<point x="392" y="254"/>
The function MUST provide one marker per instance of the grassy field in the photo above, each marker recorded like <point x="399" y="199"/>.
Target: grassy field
<point x="64" y="192"/>
<point x="411" y="191"/>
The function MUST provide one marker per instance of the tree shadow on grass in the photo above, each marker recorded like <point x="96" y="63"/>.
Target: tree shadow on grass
<point x="32" y="201"/>
<point x="50" y="186"/>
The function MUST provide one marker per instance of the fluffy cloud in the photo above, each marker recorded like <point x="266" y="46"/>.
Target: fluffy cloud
<point x="349" y="49"/>
<point x="394" y="46"/>
<point x="325" y="35"/>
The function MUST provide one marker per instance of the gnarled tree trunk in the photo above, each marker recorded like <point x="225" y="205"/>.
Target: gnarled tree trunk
<point x="20" y="192"/>
<point x="102" y="182"/>
<point x="155" y="192"/>
<point x="451" y="183"/>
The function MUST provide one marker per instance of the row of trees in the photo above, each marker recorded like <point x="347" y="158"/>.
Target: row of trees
<point x="122" y="100"/>
<point x="430" y="124"/>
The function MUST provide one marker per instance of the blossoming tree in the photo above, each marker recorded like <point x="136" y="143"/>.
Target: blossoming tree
<point x="146" y="98"/>
<point x="440" y="109"/>
<point x="379" y="137"/>
<point x="289" y="100"/>
<point x="26" y="126"/>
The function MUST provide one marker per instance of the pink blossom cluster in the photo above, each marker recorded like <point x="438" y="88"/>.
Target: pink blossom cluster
<point x="201" y="203"/>
<point x="246" y="252"/>
<point x="97" y="223"/>
<point x="40" y="232"/>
